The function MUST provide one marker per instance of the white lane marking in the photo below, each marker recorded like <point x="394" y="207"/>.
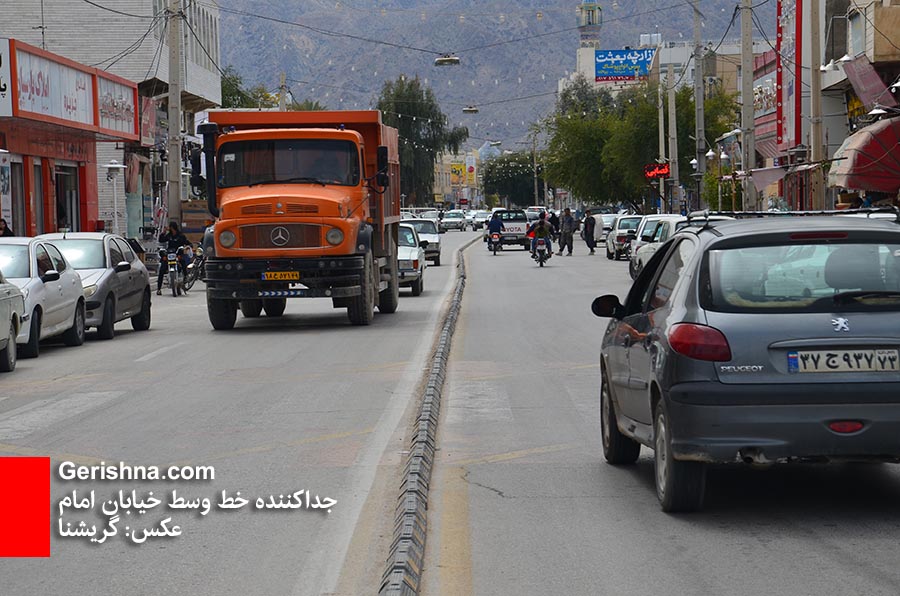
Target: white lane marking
<point x="43" y="413"/>
<point x="322" y="570"/>
<point x="158" y="352"/>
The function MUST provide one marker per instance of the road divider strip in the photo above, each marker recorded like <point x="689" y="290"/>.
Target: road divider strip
<point x="406" y="558"/>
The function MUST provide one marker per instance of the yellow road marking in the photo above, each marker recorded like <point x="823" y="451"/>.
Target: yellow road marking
<point x="456" y="539"/>
<point x="274" y="446"/>
<point x="490" y="459"/>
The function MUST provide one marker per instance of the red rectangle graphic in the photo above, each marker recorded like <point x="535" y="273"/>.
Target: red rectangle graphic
<point x="24" y="506"/>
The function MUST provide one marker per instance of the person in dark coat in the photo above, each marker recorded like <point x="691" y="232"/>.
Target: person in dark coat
<point x="5" y="230"/>
<point x="589" y="224"/>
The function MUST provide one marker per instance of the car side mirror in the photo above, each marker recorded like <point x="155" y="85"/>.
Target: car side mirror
<point x="423" y="243"/>
<point x="441" y="230"/>
<point x="607" y="306"/>
<point x="123" y="267"/>
<point x="50" y="275"/>
<point x="631" y="233"/>
<point x="647" y="238"/>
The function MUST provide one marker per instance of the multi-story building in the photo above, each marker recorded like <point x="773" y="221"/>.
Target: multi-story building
<point x="128" y="38"/>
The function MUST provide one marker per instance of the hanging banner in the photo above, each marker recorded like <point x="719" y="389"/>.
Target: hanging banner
<point x="117" y="105"/>
<point x="5" y="80"/>
<point x="470" y="170"/>
<point x="457" y="173"/>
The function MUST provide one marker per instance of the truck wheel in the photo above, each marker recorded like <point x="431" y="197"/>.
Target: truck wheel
<point x="362" y="308"/>
<point x="274" y="307"/>
<point x="222" y="313"/>
<point x="389" y="299"/>
<point x="251" y="308"/>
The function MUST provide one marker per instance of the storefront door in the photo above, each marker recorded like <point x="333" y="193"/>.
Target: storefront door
<point x="67" y="210"/>
<point x="38" y="198"/>
<point x="18" y="199"/>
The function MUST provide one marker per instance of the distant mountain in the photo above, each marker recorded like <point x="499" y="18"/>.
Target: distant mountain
<point x="345" y="73"/>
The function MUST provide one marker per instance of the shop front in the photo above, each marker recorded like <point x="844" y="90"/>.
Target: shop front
<point x="52" y="115"/>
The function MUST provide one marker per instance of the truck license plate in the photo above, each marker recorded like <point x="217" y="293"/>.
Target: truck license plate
<point x="281" y="276"/>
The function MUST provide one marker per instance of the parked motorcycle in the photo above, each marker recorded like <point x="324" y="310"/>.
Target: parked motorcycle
<point x="196" y="270"/>
<point x="494" y="242"/>
<point x="541" y="255"/>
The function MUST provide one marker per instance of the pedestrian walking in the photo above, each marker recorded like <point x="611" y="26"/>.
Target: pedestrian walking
<point x="5" y="229"/>
<point x="567" y="227"/>
<point x="589" y="224"/>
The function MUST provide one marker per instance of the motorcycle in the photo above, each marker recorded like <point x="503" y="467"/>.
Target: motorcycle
<point x="494" y="242"/>
<point x="175" y="275"/>
<point x="196" y="270"/>
<point x="540" y="254"/>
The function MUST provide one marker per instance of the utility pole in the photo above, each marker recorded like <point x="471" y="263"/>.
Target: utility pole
<point x="699" y="98"/>
<point x="534" y="163"/>
<point x="748" y="145"/>
<point x="673" y="139"/>
<point x="662" y="125"/>
<point x="173" y="200"/>
<point x="816" y="182"/>
<point x="282" y="94"/>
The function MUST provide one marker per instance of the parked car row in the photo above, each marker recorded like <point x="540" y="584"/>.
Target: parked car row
<point x="68" y="283"/>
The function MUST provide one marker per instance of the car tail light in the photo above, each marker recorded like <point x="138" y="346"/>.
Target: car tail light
<point x="818" y="235"/>
<point x="845" y="426"/>
<point x="416" y="264"/>
<point x="699" y="342"/>
<point x="621" y="238"/>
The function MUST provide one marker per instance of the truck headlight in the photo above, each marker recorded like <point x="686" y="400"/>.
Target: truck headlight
<point x="90" y="291"/>
<point x="334" y="236"/>
<point x="227" y="238"/>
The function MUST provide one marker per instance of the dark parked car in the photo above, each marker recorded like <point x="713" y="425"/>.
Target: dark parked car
<point x="758" y="341"/>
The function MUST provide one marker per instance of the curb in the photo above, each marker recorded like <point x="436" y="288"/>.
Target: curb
<point x="403" y="571"/>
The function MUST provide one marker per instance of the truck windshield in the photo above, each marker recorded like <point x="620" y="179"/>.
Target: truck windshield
<point x="270" y="161"/>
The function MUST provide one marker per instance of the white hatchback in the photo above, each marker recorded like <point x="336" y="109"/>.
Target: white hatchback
<point x="54" y="298"/>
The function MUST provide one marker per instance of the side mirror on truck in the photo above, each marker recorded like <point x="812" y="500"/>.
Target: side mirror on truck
<point x="209" y="132"/>
<point x="382" y="178"/>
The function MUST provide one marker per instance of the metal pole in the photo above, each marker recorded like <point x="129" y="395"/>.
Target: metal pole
<point x="817" y="190"/>
<point x="748" y="146"/>
<point x="699" y="124"/>
<point x="115" y="208"/>
<point x="282" y="94"/>
<point x="173" y="201"/>
<point x="673" y="138"/>
<point x="534" y="163"/>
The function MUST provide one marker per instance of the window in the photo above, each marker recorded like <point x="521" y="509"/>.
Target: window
<point x="115" y="254"/>
<point x="126" y="250"/>
<point x="857" y="43"/>
<point x="407" y="237"/>
<point x="513" y="216"/>
<point x="671" y="273"/>
<point x="14" y="260"/>
<point x="44" y="264"/>
<point x="82" y="254"/>
<point x="59" y="263"/>
<point x="424" y="226"/>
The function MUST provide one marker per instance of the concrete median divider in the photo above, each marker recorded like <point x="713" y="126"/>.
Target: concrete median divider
<point x="403" y="571"/>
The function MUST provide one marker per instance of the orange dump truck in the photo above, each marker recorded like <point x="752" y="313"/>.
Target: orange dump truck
<point x="307" y="206"/>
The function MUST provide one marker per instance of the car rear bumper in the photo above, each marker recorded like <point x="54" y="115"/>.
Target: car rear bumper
<point x="704" y="429"/>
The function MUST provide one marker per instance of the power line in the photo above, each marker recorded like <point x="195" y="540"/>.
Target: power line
<point x="212" y="60"/>
<point x="119" y="12"/>
<point x="115" y="58"/>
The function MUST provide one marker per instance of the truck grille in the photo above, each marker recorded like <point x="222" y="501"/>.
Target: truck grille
<point x="264" y="209"/>
<point x="295" y="208"/>
<point x="281" y="236"/>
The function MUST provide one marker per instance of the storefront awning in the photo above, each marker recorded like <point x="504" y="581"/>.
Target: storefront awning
<point x="869" y="159"/>
<point x="768" y="148"/>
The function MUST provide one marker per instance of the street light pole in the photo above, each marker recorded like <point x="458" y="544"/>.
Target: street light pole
<point x="534" y="163"/>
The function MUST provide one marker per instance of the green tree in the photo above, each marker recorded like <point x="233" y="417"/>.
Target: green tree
<point x="424" y="134"/>
<point x="235" y="96"/>
<point x="511" y="175"/>
<point x="307" y="105"/>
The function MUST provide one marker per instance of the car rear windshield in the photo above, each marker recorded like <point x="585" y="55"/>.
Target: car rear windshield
<point x="628" y="223"/>
<point x="423" y="226"/>
<point x="14" y="260"/>
<point x="82" y="254"/>
<point x="513" y="216"/>
<point x="803" y="278"/>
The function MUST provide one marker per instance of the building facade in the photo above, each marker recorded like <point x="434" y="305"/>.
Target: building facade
<point x="130" y="43"/>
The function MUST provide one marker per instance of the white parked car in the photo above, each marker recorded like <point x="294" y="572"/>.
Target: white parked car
<point x="12" y="309"/>
<point x="411" y="257"/>
<point x="647" y="227"/>
<point x="624" y="226"/>
<point x="427" y="229"/>
<point x="454" y="220"/>
<point x="54" y="298"/>
<point x="481" y="219"/>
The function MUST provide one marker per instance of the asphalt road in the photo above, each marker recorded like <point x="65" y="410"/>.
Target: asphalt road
<point x="304" y="402"/>
<point x="522" y="502"/>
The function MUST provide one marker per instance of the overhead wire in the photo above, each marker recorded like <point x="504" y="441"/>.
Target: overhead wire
<point x="119" y="12"/>
<point x="213" y="61"/>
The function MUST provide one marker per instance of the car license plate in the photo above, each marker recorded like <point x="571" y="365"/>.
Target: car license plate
<point x="281" y="276"/>
<point x="823" y="361"/>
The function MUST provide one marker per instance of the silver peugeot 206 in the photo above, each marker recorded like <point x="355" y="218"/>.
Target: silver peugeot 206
<point x="761" y="341"/>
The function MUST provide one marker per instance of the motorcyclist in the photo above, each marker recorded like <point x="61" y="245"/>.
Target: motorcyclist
<point x="541" y="229"/>
<point x="172" y="239"/>
<point x="495" y="226"/>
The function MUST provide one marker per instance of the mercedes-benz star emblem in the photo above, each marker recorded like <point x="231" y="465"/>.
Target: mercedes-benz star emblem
<point x="280" y="236"/>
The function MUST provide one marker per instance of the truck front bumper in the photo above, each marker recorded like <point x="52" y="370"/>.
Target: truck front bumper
<point x="241" y="279"/>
